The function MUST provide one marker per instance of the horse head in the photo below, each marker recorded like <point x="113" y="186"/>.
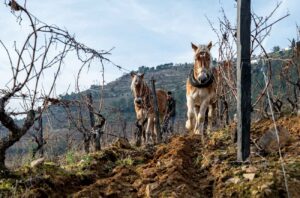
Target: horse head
<point x="201" y="71"/>
<point x="137" y="83"/>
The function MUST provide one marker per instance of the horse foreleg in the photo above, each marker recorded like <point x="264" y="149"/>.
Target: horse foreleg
<point x="138" y="133"/>
<point x="210" y="117"/>
<point x="148" y="130"/>
<point x="190" y="123"/>
<point x="144" y="130"/>
<point x="144" y="135"/>
<point x="154" y="131"/>
<point x="201" y="118"/>
<point x="197" y="123"/>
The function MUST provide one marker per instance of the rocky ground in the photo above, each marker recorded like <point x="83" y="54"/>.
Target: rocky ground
<point x="181" y="167"/>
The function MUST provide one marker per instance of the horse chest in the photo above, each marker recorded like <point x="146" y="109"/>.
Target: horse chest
<point x="199" y="95"/>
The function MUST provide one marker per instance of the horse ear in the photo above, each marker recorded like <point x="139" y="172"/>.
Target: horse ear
<point x="194" y="46"/>
<point x="142" y="75"/>
<point x="209" y="45"/>
<point x="132" y="74"/>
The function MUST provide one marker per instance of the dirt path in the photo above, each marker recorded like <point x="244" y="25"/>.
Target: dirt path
<point x="172" y="172"/>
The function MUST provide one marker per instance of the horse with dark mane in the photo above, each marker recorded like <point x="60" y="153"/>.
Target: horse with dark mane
<point x="144" y="105"/>
<point x="200" y="91"/>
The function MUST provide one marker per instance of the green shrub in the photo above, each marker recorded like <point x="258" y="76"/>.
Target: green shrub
<point x="128" y="161"/>
<point x="70" y="158"/>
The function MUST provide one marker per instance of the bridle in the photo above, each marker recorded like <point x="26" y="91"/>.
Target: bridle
<point x="141" y="89"/>
<point x="196" y="83"/>
<point x="143" y="92"/>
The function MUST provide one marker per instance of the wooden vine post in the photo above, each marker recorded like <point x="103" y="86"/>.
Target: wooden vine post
<point x="157" y="123"/>
<point x="243" y="79"/>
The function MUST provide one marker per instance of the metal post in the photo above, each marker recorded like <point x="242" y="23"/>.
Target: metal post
<point x="157" y="123"/>
<point x="243" y="79"/>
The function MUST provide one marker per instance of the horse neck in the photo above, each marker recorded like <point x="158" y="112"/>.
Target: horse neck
<point x="146" y="95"/>
<point x="145" y="90"/>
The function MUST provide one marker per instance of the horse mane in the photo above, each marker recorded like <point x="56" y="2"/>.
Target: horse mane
<point x="132" y="87"/>
<point x="204" y="47"/>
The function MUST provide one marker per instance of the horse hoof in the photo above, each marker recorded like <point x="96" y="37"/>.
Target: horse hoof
<point x="197" y="132"/>
<point x="188" y="126"/>
<point x="203" y="140"/>
<point x="187" y="131"/>
<point x="208" y="131"/>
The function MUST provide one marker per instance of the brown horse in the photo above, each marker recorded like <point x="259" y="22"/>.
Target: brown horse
<point x="200" y="91"/>
<point x="144" y="104"/>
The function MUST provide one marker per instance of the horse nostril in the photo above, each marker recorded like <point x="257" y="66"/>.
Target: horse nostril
<point x="138" y="101"/>
<point x="202" y="78"/>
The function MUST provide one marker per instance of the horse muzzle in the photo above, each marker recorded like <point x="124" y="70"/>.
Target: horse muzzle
<point x="138" y="101"/>
<point x="203" y="77"/>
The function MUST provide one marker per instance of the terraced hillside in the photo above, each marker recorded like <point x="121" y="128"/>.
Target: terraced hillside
<point x="180" y="167"/>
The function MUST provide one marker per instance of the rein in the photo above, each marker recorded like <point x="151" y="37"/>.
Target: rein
<point x="196" y="83"/>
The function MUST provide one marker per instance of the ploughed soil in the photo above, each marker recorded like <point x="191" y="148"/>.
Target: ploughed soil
<point x="180" y="167"/>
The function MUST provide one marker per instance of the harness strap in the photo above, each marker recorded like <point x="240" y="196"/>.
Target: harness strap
<point x="196" y="83"/>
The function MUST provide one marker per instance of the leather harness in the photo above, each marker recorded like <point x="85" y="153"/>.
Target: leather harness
<point x="196" y="83"/>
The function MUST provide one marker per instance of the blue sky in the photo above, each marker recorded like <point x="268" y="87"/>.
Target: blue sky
<point x="143" y="32"/>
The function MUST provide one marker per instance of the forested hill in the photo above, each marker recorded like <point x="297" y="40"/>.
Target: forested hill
<point x="118" y="100"/>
